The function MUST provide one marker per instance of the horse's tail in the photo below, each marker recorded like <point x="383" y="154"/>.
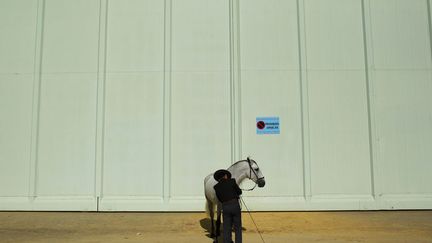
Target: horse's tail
<point x="209" y="208"/>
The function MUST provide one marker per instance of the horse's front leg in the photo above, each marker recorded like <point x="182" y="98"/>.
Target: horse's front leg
<point x="218" y="220"/>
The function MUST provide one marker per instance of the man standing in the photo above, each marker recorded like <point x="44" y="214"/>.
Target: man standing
<point x="228" y="193"/>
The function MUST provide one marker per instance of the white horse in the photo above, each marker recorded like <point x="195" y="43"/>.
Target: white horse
<point x="240" y="170"/>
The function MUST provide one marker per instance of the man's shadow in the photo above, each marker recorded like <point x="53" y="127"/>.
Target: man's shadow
<point x="206" y="225"/>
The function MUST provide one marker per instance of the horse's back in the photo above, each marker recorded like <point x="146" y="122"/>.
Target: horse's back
<point x="207" y="178"/>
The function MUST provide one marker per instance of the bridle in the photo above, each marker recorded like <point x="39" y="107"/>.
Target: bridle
<point x="250" y="174"/>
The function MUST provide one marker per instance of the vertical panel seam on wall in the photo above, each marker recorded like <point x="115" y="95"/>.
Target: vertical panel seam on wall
<point x="237" y="78"/>
<point x="100" y="100"/>
<point x="237" y="59"/>
<point x="368" y="96"/>
<point x="235" y="83"/>
<point x="235" y="138"/>
<point x="37" y="80"/>
<point x="304" y="100"/>
<point x="231" y="81"/>
<point x="428" y="2"/>
<point x="369" y="72"/>
<point x="167" y="78"/>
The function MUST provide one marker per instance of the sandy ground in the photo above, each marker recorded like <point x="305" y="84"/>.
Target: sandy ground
<point x="381" y="226"/>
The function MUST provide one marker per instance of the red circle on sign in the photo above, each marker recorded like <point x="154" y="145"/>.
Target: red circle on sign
<point x="260" y="125"/>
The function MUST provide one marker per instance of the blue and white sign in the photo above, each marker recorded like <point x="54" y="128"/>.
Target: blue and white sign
<point x="267" y="125"/>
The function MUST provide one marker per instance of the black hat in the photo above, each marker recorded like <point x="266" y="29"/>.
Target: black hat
<point x="221" y="173"/>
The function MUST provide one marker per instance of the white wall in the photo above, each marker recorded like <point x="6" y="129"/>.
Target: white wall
<point x="127" y="105"/>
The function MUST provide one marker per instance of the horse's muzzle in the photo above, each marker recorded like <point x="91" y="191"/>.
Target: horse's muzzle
<point x="261" y="182"/>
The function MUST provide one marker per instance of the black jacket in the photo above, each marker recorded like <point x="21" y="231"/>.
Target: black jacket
<point x="227" y="190"/>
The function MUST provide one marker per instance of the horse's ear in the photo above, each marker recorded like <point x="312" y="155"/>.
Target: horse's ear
<point x="248" y="159"/>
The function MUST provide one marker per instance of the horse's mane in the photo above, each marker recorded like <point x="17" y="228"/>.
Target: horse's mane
<point x="243" y="160"/>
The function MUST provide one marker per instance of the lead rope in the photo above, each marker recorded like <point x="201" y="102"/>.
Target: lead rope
<point x="247" y="209"/>
<point x="248" y="190"/>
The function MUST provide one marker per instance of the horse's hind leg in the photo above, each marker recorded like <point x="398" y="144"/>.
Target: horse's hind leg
<point x="211" y="214"/>
<point x="218" y="221"/>
<point x="216" y="234"/>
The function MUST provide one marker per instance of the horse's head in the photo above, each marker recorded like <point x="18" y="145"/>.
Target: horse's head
<point x="255" y="173"/>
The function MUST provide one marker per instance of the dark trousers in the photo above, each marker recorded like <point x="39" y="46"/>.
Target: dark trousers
<point x="232" y="216"/>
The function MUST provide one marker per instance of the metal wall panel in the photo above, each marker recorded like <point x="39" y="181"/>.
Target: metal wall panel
<point x="133" y="135"/>
<point x="400" y="34"/>
<point x="127" y="105"/>
<point x="67" y="108"/>
<point x="15" y="131"/>
<point x="17" y="47"/>
<point x="270" y="86"/>
<point x="66" y="139"/>
<point x="132" y="169"/>
<point x="402" y="86"/>
<point x="200" y="121"/>
<point x="404" y="128"/>
<point x="337" y="98"/>
<point x="17" y="25"/>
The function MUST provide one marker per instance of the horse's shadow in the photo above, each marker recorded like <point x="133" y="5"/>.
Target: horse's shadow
<point x="206" y="224"/>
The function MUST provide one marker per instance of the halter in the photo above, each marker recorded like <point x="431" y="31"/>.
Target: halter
<point x="250" y="174"/>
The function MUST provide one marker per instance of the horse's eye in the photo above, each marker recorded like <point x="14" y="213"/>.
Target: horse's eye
<point x="257" y="169"/>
